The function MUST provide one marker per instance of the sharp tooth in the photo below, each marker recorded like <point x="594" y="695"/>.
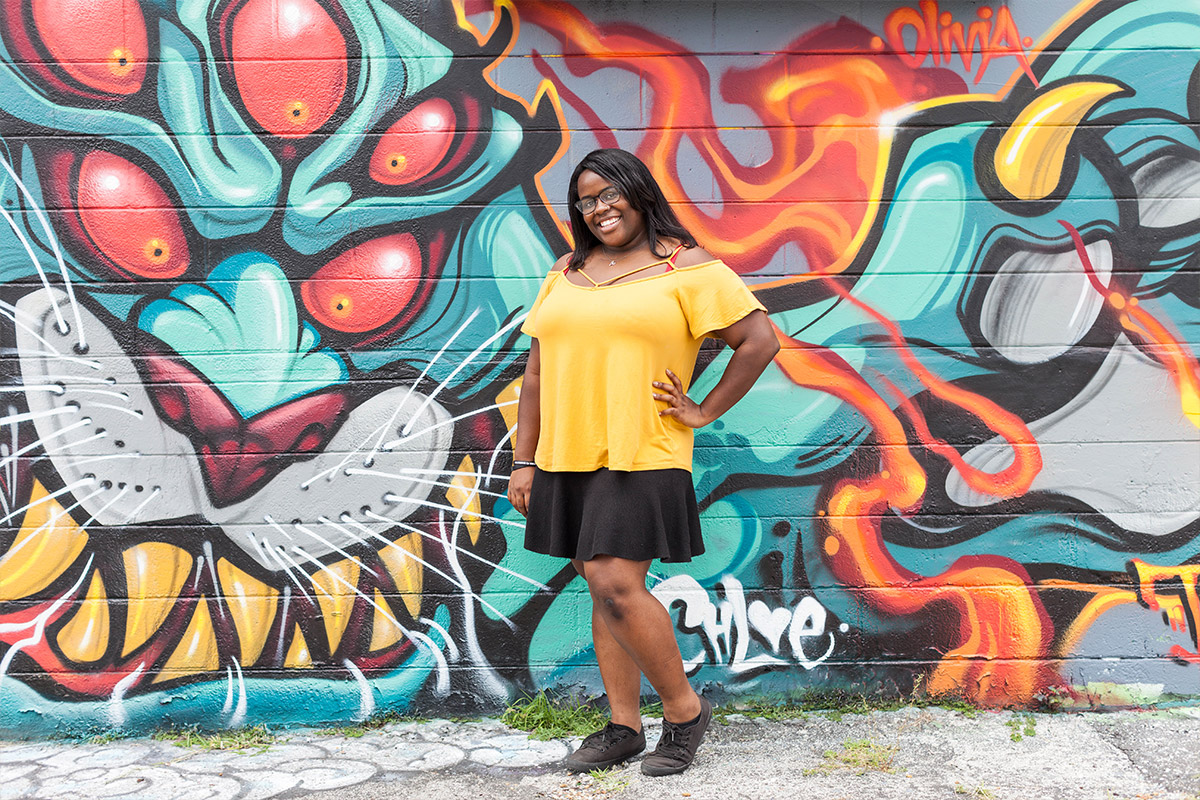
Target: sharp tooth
<point x="407" y="572"/>
<point x="49" y="541"/>
<point x="297" y="654"/>
<point x="464" y="499"/>
<point x="510" y="394"/>
<point x="253" y="604"/>
<point x="197" y="650"/>
<point x="335" y="598"/>
<point x="154" y="574"/>
<point x="85" y="637"/>
<point x="384" y="632"/>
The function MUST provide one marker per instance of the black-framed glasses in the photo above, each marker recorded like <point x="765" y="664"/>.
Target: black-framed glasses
<point x="587" y="205"/>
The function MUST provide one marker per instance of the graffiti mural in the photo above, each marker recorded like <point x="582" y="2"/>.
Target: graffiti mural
<point x="261" y="277"/>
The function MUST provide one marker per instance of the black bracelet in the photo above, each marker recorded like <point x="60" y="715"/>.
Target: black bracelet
<point x="522" y="464"/>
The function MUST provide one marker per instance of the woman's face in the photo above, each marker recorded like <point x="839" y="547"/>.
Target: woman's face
<point x="617" y="226"/>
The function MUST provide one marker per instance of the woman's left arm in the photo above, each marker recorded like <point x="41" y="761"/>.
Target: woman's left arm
<point x="754" y="345"/>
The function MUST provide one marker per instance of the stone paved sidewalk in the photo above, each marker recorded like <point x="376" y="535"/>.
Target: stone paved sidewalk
<point x="927" y="753"/>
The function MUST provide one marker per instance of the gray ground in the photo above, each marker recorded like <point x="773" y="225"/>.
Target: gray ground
<point x="914" y="752"/>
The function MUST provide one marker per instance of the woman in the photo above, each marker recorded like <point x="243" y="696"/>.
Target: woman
<point x="603" y="451"/>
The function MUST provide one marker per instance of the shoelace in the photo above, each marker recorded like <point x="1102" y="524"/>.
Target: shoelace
<point x="609" y="734"/>
<point x="674" y="738"/>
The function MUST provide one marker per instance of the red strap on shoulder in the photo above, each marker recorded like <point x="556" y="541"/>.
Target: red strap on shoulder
<point x="671" y="258"/>
<point x="566" y="269"/>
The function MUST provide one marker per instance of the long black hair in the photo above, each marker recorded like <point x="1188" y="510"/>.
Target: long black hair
<point x="633" y="179"/>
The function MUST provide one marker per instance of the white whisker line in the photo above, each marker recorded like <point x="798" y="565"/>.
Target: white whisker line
<point x="450" y="548"/>
<point x="32" y="415"/>
<point x="355" y="471"/>
<point x="462" y="550"/>
<point x="10" y="312"/>
<point x="59" y="449"/>
<point x="284" y="607"/>
<point x="454" y="653"/>
<point x="413" y="635"/>
<point x="38" y="623"/>
<point x="396" y="499"/>
<point x="48" y="387"/>
<point x="330" y="545"/>
<point x="133" y="413"/>
<point x="405" y="471"/>
<point x="491" y="470"/>
<point x="406" y="435"/>
<point x="133" y="514"/>
<point x="267" y="519"/>
<point x="462" y="365"/>
<point x="51" y="520"/>
<point x="92" y="518"/>
<point x="81" y="379"/>
<point x="382" y="430"/>
<point x="212" y="570"/>
<point x="107" y="392"/>
<point x="83" y="423"/>
<point x="68" y="488"/>
<point x="58" y="257"/>
<point x="63" y="328"/>
<point x="428" y="366"/>
<point x="288" y="571"/>
<point x="366" y="700"/>
<point x="199" y="571"/>
<point x="93" y="459"/>
<point x="465" y="587"/>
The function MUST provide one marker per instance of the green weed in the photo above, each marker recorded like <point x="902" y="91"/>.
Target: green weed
<point x="241" y="740"/>
<point x="859" y="756"/>
<point x="1020" y="726"/>
<point x="544" y="718"/>
<point x="979" y="792"/>
<point x="608" y="781"/>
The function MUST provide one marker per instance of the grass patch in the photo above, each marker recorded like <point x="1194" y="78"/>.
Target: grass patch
<point x="1020" y="726"/>
<point x="242" y="740"/>
<point x="859" y="756"/>
<point x="978" y="793"/>
<point x="608" y="781"/>
<point x="544" y="718"/>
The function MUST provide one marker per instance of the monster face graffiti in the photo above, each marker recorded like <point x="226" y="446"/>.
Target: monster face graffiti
<point x="250" y="266"/>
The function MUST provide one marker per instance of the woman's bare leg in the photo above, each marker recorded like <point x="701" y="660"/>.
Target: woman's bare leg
<point x="639" y="625"/>
<point x="621" y="676"/>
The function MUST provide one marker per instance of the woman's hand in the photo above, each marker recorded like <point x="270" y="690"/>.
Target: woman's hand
<point x="683" y="408"/>
<point x="519" y="483"/>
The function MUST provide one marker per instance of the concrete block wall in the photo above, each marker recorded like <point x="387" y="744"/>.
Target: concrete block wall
<point x="263" y="266"/>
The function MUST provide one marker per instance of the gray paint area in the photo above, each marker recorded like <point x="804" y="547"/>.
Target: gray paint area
<point x="912" y="752"/>
<point x="1148" y="483"/>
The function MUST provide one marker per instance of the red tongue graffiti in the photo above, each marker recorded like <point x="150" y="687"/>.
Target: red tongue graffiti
<point x="240" y="455"/>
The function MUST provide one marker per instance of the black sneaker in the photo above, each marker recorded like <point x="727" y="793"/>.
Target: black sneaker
<point x="677" y="748"/>
<point x="610" y="745"/>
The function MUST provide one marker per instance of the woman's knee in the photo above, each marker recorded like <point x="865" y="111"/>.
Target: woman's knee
<point x="614" y="586"/>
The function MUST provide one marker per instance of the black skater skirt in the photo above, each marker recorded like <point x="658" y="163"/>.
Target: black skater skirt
<point x="635" y="515"/>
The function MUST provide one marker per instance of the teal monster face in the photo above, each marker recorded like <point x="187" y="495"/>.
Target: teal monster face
<point x="263" y="266"/>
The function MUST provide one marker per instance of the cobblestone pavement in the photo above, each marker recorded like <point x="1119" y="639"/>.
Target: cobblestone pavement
<point x="927" y="753"/>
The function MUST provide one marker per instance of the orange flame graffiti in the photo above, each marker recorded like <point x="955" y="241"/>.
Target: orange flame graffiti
<point x="820" y="103"/>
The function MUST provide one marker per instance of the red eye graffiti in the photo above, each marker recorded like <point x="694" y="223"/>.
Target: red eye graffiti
<point x="129" y="219"/>
<point x="289" y="62"/>
<point x="367" y="286"/>
<point x="414" y="145"/>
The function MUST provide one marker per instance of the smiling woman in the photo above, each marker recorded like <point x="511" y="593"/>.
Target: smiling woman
<point x="603" y="453"/>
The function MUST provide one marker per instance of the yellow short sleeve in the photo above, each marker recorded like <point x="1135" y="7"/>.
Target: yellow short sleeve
<point x="714" y="297"/>
<point x="529" y="327"/>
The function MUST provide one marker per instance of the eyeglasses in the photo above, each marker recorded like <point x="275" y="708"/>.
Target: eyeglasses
<point x="587" y="205"/>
